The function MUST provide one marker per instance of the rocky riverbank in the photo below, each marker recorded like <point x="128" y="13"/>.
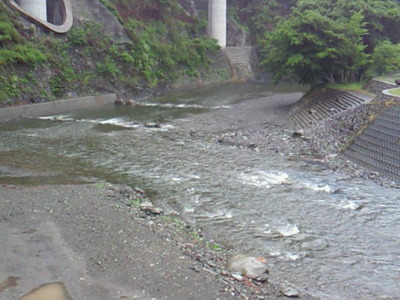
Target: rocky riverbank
<point x="263" y="125"/>
<point x="99" y="243"/>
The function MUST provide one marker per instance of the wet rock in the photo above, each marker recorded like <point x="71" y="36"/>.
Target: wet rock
<point x="290" y="292"/>
<point x="152" y="125"/>
<point x="139" y="191"/>
<point x="130" y="103"/>
<point x="316" y="245"/>
<point x="150" y="209"/>
<point x="119" y="102"/>
<point x="248" y="266"/>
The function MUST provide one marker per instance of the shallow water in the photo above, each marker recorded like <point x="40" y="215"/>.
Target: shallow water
<point x="336" y="237"/>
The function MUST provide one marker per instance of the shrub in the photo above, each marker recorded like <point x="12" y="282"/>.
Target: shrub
<point x="386" y="58"/>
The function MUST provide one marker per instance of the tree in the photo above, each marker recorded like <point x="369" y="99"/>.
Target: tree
<point x="330" y="40"/>
<point x="314" y="48"/>
<point x="386" y="58"/>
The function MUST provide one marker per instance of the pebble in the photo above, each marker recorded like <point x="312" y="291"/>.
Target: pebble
<point x="237" y="276"/>
<point x="150" y="209"/>
<point x="290" y="292"/>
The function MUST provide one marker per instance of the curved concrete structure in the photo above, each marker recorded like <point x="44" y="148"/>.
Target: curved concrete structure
<point x="36" y="8"/>
<point x="217" y="21"/>
<point x="54" y="15"/>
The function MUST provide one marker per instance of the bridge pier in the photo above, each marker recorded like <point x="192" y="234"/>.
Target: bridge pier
<point x="217" y="21"/>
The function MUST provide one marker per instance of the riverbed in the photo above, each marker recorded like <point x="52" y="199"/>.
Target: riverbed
<point x="322" y="231"/>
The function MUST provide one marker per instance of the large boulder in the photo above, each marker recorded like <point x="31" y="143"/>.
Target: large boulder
<point x="251" y="267"/>
<point x="94" y="11"/>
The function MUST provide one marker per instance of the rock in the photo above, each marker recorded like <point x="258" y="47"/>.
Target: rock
<point x="152" y="125"/>
<point x="397" y="81"/>
<point x="130" y="103"/>
<point x="316" y="245"/>
<point x="263" y="277"/>
<point x="119" y="102"/>
<point x="139" y="191"/>
<point x="298" y="133"/>
<point x="150" y="209"/>
<point x="248" y="266"/>
<point x="237" y="276"/>
<point x="290" y="292"/>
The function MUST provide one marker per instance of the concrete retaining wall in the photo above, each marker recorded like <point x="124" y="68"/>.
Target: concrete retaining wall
<point x="242" y="61"/>
<point x="56" y="107"/>
<point x="378" y="147"/>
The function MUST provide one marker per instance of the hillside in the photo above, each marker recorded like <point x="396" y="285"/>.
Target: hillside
<point x="126" y="47"/>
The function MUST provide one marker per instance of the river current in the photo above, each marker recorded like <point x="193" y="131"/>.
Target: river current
<point x="330" y="235"/>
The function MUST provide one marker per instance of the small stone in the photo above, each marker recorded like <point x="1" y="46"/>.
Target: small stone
<point x="298" y="133"/>
<point x="130" y="103"/>
<point x="152" y="125"/>
<point x="150" y="209"/>
<point x="237" y="276"/>
<point x="119" y="102"/>
<point x="250" y="267"/>
<point x="290" y="292"/>
<point x="262" y="278"/>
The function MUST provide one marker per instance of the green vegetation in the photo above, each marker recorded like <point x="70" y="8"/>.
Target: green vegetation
<point x="311" y="42"/>
<point x="395" y="92"/>
<point x="386" y="58"/>
<point x="13" y="47"/>
<point x="357" y="86"/>
<point x="167" y="44"/>
<point x="322" y="42"/>
<point x="183" y="228"/>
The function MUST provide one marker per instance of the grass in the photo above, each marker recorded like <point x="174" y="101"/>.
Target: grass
<point x="395" y="92"/>
<point x="348" y="86"/>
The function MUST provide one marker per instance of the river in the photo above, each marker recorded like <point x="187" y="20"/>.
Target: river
<point x="323" y="232"/>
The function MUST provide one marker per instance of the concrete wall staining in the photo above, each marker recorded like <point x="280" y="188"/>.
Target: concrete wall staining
<point x="36" y="8"/>
<point x="217" y="21"/>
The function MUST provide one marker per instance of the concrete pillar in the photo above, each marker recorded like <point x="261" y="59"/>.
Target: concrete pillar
<point x="36" y="8"/>
<point x="217" y="21"/>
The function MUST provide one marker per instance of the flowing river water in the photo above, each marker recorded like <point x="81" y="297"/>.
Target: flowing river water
<point x="333" y="236"/>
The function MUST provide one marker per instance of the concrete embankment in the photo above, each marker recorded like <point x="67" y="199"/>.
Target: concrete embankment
<point x="377" y="146"/>
<point x="55" y="107"/>
<point x="364" y="127"/>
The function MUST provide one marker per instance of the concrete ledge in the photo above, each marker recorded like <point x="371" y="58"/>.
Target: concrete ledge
<point x="388" y="93"/>
<point x="56" y="107"/>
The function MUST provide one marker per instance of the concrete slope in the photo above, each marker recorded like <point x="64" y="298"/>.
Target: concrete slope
<point x="378" y="147"/>
<point x="324" y="104"/>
